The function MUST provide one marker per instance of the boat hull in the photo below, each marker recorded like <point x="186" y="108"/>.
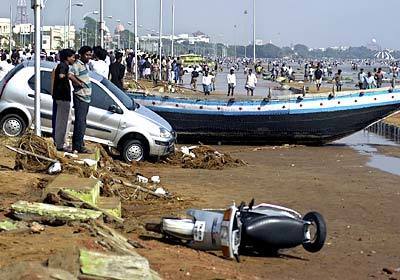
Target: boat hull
<point x="310" y="122"/>
<point x="312" y="129"/>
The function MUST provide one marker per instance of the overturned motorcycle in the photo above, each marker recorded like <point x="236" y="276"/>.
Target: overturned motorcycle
<point x="245" y="229"/>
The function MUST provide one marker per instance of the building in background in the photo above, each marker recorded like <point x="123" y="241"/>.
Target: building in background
<point x="4" y="32"/>
<point x="56" y="37"/>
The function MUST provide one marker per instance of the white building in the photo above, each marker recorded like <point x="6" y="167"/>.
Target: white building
<point x="4" y="31"/>
<point x="56" y="37"/>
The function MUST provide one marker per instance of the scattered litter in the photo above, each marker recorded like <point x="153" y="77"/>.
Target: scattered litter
<point x="70" y="155"/>
<point x="55" y="168"/>
<point x="89" y="162"/>
<point x="186" y="151"/>
<point x="155" y="179"/>
<point x="141" y="179"/>
<point x="160" y="191"/>
<point x="36" y="227"/>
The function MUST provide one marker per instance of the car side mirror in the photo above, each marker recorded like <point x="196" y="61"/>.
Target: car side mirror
<point x="115" y="110"/>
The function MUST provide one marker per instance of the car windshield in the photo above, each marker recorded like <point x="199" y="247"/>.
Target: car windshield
<point x="128" y="102"/>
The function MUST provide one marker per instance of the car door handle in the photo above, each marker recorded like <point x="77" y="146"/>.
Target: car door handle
<point x="31" y="95"/>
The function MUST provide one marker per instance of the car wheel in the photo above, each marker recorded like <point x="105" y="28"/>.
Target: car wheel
<point x="133" y="150"/>
<point x="317" y="231"/>
<point x="12" y="125"/>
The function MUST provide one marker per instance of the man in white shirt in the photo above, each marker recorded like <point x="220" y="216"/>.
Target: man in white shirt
<point x="251" y="82"/>
<point x="231" y="82"/>
<point x="207" y="81"/>
<point x="98" y="64"/>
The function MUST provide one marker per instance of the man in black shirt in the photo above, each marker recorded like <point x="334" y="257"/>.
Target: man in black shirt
<point x="117" y="71"/>
<point x="318" y="77"/>
<point x="62" y="97"/>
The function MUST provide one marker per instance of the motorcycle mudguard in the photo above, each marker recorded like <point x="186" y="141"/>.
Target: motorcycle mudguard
<point x="211" y="240"/>
<point x="273" y="232"/>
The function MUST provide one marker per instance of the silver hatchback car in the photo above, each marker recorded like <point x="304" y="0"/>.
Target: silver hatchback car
<point x="114" y="119"/>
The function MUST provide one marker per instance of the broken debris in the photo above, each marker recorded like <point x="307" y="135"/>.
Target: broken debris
<point x="203" y="157"/>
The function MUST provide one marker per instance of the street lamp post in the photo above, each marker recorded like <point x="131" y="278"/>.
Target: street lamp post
<point x="11" y="31"/>
<point x="129" y="35"/>
<point x="69" y="19"/>
<point x="102" y="25"/>
<point x="254" y="31"/>
<point x="95" y="29"/>
<point x="160" y="36"/>
<point x="37" y="7"/>
<point x="173" y="28"/>
<point x="136" y="40"/>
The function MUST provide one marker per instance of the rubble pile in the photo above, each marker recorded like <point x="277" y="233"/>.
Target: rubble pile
<point x="203" y="157"/>
<point x="37" y="154"/>
<point x="38" y="146"/>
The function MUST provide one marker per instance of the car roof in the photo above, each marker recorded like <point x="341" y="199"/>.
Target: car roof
<point x="51" y="65"/>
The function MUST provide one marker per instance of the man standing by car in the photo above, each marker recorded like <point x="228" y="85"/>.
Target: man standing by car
<point x="79" y="75"/>
<point x="62" y="97"/>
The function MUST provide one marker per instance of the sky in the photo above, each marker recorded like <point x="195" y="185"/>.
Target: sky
<point x="315" y="23"/>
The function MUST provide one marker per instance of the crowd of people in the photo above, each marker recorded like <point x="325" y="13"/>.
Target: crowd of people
<point x="71" y="75"/>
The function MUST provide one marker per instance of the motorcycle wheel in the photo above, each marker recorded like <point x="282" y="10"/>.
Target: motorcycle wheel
<point x="318" y="239"/>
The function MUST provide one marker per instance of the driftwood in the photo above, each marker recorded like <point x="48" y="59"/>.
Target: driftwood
<point x="23" y="152"/>
<point x="140" y="188"/>
<point x="90" y="205"/>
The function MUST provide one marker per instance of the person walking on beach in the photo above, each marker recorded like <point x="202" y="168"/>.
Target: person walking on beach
<point x="207" y="81"/>
<point x="251" y="82"/>
<point x="79" y="75"/>
<point x="155" y="72"/>
<point x="370" y="81"/>
<point x="62" y="98"/>
<point x="193" y="81"/>
<point x="338" y="80"/>
<point x="231" y="82"/>
<point x="379" y="78"/>
<point x="361" y="79"/>
<point x="318" y="77"/>
<point x="117" y="71"/>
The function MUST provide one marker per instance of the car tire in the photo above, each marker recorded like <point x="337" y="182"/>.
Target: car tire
<point x="12" y="125"/>
<point x="133" y="150"/>
<point x="318" y="241"/>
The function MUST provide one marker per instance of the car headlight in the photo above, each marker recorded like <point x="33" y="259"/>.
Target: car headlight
<point x="164" y="133"/>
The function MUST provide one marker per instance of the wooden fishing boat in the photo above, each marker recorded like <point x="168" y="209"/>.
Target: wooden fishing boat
<point x="313" y="120"/>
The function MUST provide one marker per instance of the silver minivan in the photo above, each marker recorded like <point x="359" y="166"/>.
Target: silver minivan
<point x="114" y="119"/>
